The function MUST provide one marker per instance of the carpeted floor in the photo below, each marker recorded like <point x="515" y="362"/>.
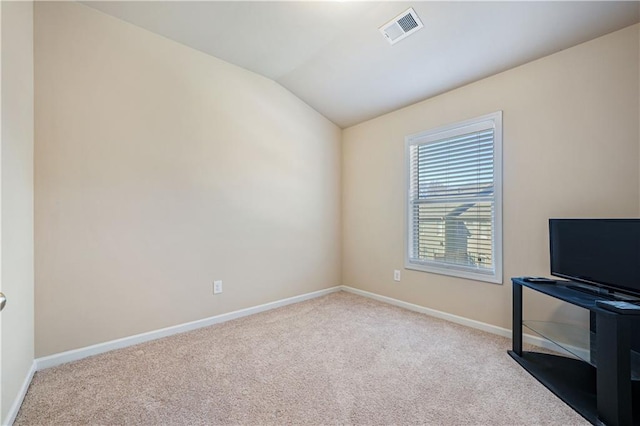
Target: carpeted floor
<point x="338" y="359"/>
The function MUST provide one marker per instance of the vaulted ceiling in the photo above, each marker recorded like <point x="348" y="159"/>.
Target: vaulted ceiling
<point x="332" y="56"/>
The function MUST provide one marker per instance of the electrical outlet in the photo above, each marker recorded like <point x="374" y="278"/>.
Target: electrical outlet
<point x="396" y="275"/>
<point x="217" y="287"/>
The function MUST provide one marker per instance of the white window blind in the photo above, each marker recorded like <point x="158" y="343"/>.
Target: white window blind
<point x="454" y="199"/>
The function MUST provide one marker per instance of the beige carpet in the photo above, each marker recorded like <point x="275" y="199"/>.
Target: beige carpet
<point x="339" y="359"/>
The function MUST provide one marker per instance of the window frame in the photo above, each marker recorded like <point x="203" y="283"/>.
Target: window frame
<point x="443" y="132"/>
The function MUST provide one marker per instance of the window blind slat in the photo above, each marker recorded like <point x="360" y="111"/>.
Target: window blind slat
<point x="456" y="158"/>
<point x="452" y="164"/>
<point x="454" y="149"/>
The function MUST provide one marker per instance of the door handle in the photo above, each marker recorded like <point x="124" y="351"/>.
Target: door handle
<point x="3" y="300"/>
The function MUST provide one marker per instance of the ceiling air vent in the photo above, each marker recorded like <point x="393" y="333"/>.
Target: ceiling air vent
<point x="401" y="26"/>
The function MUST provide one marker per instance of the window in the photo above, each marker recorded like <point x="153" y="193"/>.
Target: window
<point x="454" y="203"/>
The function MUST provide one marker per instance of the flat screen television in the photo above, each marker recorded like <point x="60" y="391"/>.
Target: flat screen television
<point x="601" y="252"/>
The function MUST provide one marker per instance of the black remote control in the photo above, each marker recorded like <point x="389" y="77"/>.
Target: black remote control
<point x="539" y="280"/>
<point x="619" y="306"/>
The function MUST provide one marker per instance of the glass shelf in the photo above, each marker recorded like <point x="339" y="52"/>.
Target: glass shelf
<point x="571" y="339"/>
<point x="576" y="341"/>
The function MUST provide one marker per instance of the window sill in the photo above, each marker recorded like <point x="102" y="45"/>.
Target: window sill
<point x="492" y="278"/>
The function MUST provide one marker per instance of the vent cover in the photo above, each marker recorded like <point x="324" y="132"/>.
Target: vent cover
<point x="401" y="26"/>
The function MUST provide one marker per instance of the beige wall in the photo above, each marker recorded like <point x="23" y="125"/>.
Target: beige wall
<point x="570" y="150"/>
<point x="160" y="169"/>
<point x="17" y="198"/>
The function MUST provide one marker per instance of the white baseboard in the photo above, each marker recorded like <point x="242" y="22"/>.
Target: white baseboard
<point x="527" y="338"/>
<point x="76" y="354"/>
<point x="15" y="407"/>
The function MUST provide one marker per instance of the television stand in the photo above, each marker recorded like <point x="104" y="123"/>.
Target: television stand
<point x="603" y="384"/>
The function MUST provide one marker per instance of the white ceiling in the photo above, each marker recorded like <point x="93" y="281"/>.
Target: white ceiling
<point x="332" y="56"/>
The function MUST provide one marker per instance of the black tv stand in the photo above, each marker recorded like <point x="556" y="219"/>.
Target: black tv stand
<point x="606" y="388"/>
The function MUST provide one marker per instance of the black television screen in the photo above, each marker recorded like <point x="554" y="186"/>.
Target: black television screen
<point x="604" y="252"/>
